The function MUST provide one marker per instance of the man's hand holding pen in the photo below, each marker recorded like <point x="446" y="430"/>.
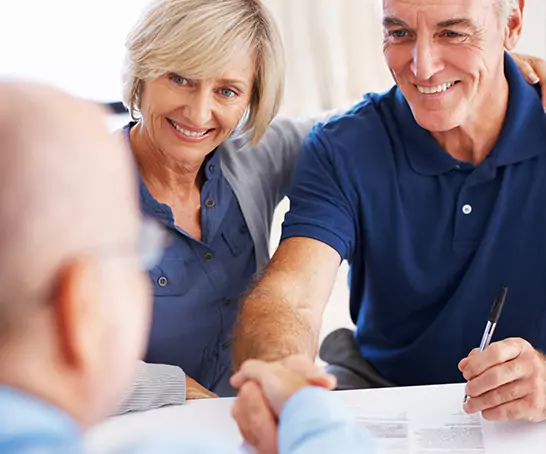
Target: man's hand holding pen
<point x="506" y="381"/>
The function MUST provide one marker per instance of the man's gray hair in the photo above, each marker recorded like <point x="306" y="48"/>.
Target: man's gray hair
<point x="505" y="7"/>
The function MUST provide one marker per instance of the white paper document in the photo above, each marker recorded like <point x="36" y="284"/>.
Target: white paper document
<point x="413" y="433"/>
<point x="430" y="420"/>
<point x="414" y="420"/>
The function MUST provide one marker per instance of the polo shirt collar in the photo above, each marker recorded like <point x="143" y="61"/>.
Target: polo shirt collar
<point x="522" y="137"/>
<point x="425" y="155"/>
<point x="148" y="204"/>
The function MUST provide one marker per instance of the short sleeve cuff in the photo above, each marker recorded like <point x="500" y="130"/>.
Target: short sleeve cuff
<point x="156" y="385"/>
<point x="318" y="233"/>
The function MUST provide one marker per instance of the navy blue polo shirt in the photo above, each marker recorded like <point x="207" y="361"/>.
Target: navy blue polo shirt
<point x="429" y="239"/>
<point x="198" y="284"/>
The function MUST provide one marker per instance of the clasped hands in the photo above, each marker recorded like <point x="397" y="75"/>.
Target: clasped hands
<point x="264" y="389"/>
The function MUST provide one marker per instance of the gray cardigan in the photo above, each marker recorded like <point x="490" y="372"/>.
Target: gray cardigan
<point x="259" y="176"/>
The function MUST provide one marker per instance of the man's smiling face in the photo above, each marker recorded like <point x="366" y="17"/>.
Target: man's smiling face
<point x="446" y="56"/>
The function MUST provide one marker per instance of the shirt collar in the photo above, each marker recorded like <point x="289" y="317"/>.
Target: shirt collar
<point x="35" y="417"/>
<point x="149" y="205"/>
<point x="522" y="137"/>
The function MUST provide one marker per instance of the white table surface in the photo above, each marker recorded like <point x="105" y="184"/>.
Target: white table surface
<point x="212" y="418"/>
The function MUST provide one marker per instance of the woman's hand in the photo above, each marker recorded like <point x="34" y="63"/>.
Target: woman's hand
<point x="195" y="391"/>
<point x="534" y="71"/>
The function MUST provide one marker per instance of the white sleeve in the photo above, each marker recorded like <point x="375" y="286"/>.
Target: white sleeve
<point x="156" y="385"/>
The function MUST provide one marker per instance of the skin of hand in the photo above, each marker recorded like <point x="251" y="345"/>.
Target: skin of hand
<point x="534" y="71"/>
<point x="255" y="418"/>
<point x="264" y="389"/>
<point x="280" y="380"/>
<point x="507" y="381"/>
<point x="195" y="391"/>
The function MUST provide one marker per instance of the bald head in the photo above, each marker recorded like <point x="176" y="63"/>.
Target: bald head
<point x="65" y="188"/>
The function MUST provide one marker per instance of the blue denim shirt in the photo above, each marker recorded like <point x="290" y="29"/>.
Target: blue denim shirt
<point x="198" y="283"/>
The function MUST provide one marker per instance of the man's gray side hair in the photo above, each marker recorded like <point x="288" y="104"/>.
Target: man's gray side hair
<point x="505" y="7"/>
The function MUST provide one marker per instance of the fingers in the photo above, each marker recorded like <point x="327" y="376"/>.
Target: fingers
<point x="497" y="353"/>
<point x="314" y="374"/>
<point x="195" y="391"/>
<point x="498" y="397"/>
<point x="497" y="376"/>
<point x="464" y="361"/>
<point x="529" y="73"/>
<point x="256" y="422"/>
<point x="539" y="67"/>
<point x="299" y="364"/>
<point x="278" y="381"/>
<point x="504" y="388"/>
<point x="536" y="74"/>
<point x="526" y="65"/>
<point x="534" y="71"/>
<point x="522" y="409"/>
<point x="251" y="369"/>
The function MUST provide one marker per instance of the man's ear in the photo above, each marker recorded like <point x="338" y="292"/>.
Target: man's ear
<point x="78" y="313"/>
<point x="514" y="27"/>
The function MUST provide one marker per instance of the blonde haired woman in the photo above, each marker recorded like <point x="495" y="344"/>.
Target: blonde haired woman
<point x="203" y="81"/>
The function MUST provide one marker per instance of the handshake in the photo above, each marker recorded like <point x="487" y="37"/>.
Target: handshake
<point x="264" y="389"/>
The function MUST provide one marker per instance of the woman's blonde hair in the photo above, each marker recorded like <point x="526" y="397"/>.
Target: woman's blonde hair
<point x="196" y="39"/>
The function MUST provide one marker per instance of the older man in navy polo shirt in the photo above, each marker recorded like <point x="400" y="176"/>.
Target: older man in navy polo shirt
<point x="435" y="192"/>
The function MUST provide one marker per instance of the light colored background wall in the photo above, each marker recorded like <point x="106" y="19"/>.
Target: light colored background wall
<point x="533" y="39"/>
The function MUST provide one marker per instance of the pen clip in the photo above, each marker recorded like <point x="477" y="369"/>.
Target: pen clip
<point x="498" y="304"/>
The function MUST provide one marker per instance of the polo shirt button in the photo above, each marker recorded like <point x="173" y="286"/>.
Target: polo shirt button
<point x="458" y="166"/>
<point x="208" y="256"/>
<point x="212" y="168"/>
<point x="227" y="302"/>
<point x="209" y="203"/>
<point x="467" y="209"/>
<point x="162" y="281"/>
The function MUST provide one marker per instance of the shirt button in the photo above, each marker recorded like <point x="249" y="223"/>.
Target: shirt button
<point x="162" y="281"/>
<point x="212" y="168"/>
<point x="208" y="256"/>
<point x="209" y="203"/>
<point x="467" y="209"/>
<point x="226" y="345"/>
<point x="243" y="229"/>
<point x="458" y="166"/>
<point x="227" y="302"/>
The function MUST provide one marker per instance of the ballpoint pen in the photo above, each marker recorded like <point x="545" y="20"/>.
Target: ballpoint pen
<point x="494" y="315"/>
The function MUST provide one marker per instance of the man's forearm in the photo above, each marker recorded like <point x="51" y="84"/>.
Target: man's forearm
<point x="282" y="315"/>
<point x="270" y="331"/>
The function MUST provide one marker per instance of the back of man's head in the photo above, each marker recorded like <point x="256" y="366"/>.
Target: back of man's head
<point x="73" y="308"/>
